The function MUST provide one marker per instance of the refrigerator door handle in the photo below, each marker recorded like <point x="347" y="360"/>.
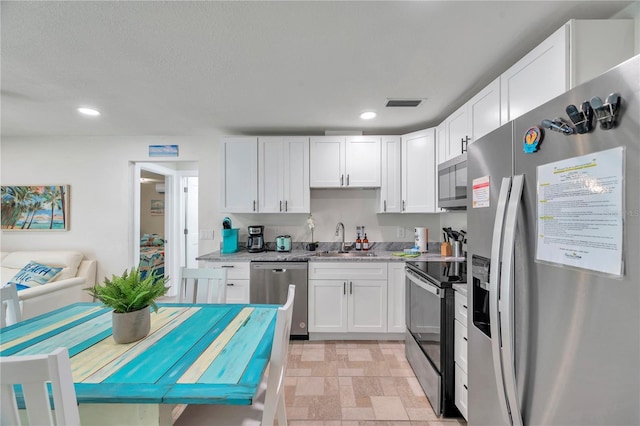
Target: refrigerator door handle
<point x="507" y="319"/>
<point x="494" y="289"/>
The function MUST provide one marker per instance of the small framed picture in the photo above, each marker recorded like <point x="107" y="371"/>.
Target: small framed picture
<point x="157" y="207"/>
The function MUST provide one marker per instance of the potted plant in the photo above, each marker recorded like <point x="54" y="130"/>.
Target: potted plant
<point x="132" y="298"/>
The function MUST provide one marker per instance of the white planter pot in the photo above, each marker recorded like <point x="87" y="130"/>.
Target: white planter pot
<point x="131" y="326"/>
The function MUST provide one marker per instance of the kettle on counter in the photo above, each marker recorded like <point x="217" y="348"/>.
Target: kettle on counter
<point x="283" y="243"/>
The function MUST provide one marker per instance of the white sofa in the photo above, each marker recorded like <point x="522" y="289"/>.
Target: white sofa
<point x="67" y="287"/>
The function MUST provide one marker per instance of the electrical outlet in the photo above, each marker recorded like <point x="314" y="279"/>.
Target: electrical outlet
<point x="400" y="232"/>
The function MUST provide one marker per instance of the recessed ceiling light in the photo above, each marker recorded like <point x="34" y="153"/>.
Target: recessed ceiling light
<point x="368" y="115"/>
<point x="89" y="111"/>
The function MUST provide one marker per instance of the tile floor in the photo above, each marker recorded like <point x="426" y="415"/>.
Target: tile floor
<point x="348" y="383"/>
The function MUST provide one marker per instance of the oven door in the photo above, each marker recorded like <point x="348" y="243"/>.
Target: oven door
<point x="425" y="315"/>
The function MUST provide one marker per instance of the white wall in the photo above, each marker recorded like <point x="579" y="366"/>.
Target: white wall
<point x="98" y="172"/>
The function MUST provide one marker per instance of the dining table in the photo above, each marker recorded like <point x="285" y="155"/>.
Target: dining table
<point x="193" y="354"/>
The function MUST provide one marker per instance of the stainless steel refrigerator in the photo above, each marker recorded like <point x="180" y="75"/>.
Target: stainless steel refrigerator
<point x="554" y="252"/>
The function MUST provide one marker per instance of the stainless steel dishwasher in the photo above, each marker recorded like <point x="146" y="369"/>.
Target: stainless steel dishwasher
<point x="269" y="282"/>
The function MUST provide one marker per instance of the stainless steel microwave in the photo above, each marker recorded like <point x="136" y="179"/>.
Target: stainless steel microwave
<point x="452" y="183"/>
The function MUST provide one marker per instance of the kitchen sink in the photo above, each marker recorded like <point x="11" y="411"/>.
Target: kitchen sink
<point x="345" y="254"/>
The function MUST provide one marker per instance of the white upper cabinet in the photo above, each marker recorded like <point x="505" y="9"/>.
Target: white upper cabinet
<point x="419" y="172"/>
<point x="327" y="162"/>
<point x="390" y="187"/>
<point x="239" y="175"/>
<point x="345" y="161"/>
<point x="537" y="78"/>
<point x="442" y="143"/>
<point x="484" y="111"/>
<point x="457" y="131"/>
<point x="474" y="119"/>
<point x="362" y="161"/>
<point x="283" y="175"/>
<point x="579" y="51"/>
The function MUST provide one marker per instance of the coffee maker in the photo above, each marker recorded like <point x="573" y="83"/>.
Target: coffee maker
<point x="255" y="242"/>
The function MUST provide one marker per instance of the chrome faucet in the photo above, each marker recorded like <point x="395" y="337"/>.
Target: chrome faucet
<point x="338" y="226"/>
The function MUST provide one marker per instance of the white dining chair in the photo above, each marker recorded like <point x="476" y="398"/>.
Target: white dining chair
<point x="33" y="372"/>
<point x="269" y="400"/>
<point x="10" y="305"/>
<point x="194" y="280"/>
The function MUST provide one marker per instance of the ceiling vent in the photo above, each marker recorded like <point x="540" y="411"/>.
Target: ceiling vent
<point x="410" y="103"/>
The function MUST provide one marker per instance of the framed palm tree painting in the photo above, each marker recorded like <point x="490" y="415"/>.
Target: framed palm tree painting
<point x="35" y="208"/>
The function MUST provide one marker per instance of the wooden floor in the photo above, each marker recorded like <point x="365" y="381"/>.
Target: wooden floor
<point x="355" y="384"/>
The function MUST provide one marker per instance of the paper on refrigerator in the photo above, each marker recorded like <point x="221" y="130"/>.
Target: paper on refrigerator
<point x="580" y="212"/>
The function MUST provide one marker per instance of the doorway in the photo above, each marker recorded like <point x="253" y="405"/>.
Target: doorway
<point x="164" y="235"/>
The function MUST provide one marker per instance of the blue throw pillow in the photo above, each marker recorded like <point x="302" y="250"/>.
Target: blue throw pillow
<point x="34" y="274"/>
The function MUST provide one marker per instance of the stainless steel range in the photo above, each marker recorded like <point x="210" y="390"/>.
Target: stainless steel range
<point x="429" y="338"/>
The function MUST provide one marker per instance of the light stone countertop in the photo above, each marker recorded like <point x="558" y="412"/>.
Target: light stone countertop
<point x="304" y="255"/>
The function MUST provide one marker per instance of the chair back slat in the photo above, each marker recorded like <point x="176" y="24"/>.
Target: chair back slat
<point x="210" y="281"/>
<point x="10" y="305"/>
<point x="274" y="399"/>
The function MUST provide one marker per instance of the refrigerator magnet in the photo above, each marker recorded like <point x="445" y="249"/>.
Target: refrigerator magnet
<point x="532" y="139"/>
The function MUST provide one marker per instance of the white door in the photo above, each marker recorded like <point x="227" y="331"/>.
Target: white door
<point x="189" y="222"/>
<point x="296" y="192"/>
<point x="390" y="189"/>
<point x="367" y="306"/>
<point x="419" y="172"/>
<point x="173" y="235"/>
<point x="362" y="161"/>
<point x="327" y="162"/>
<point x="327" y="305"/>
<point x="396" y="298"/>
<point x="239" y="175"/>
<point x="271" y="163"/>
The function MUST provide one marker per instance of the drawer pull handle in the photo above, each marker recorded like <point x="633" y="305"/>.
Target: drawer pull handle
<point x="227" y="266"/>
<point x="465" y="386"/>
<point x="230" y="284"/>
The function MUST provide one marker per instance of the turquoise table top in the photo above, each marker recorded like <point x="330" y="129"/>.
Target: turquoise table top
<point x="194" y="354"/>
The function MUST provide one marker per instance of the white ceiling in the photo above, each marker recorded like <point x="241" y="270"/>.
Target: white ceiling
<point x="186" y="68"/>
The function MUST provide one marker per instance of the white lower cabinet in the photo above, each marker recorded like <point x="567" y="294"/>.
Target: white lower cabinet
<point x="348" y="297"/>
<point x="396" y="320"/>
<point x="460" y="353"/>
<point x="237" y="280"/>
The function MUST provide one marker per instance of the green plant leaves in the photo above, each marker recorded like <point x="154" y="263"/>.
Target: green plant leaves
<point x="129" y="292"/>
